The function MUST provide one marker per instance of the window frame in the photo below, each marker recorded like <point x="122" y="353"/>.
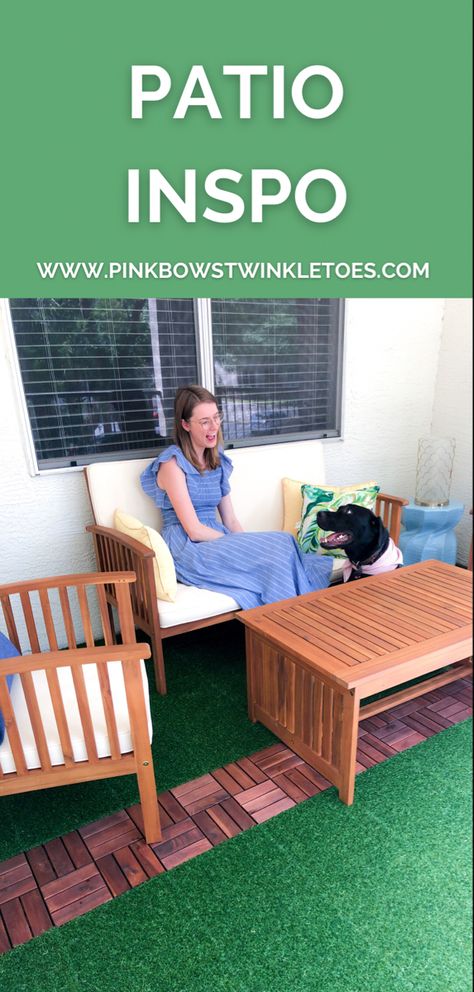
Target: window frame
<point x="202" y="308"/>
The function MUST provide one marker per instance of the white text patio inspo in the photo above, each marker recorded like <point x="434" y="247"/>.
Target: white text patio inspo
<point x="268" y="187"/>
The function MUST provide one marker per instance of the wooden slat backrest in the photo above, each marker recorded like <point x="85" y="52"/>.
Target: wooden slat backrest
<point x="390" y="509"/>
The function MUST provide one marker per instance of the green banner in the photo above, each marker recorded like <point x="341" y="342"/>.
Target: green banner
<point x="236" y="150"/>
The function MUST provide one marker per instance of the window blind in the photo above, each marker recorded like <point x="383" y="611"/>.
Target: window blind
<point x="278" y="367"/>
<point x="100" y="375"/>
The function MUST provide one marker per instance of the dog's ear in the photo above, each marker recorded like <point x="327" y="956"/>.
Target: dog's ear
<point x="377" y="528"/>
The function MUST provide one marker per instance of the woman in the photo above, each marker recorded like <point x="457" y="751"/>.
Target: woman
<point x="188" y="481"/>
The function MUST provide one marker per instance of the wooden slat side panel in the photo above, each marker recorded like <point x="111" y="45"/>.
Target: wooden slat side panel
<point x="84" y="712"/>
<point x="328" y="702"/>
<point x="109" y="711"/>
<point x="34" y="713"/>
<point x="60" y="716"/>
<point x="11" y="727"/>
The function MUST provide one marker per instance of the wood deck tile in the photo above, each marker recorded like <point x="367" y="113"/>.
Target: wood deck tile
<point x="41" y="866"/>
<point x="268" y="811"/>
<point x="16" y="879"/>
<point x="15" y="922"/>
<point x="292" y="789"/>
<point x="240" y="776"/>
<point x="314" y="776"/>
<point x="198" y="795"/>
<point x="172" y="807"/>
<point x="59" y="857"/>
<point x="296" y="778"/>
<point x="410" y="741"/>
<point x="225" y="821"/>
<point x="462" y="715"/>
<point x="112" y="875"/>
<point x="209" y="828"/>
<point x="253" y="801"/>
<point x="131" y="868"/>
<point x="74" y="894"/>
<point x="192" y="851"/>
<point x="118" y="831"/>
<point x="385" y="749"/>
<point x="5" y="944"/>
<point x="76" y="849"/>
<point x="238" y="814"/>
<point x="148" y="860"/>
<point x="36" y="912"/>
<point x="71" y="875"/>
<point x="91" y="900"/>
<point x="260" y="757"/>
<point x="253" y="771"/>
<point x="227" y="782"/>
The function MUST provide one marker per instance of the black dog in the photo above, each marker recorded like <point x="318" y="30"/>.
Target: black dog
<point x="363" y="537"/>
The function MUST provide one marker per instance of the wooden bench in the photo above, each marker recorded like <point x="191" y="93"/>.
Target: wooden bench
<point x="258" y="500"/>
<point x="313" y="659"/>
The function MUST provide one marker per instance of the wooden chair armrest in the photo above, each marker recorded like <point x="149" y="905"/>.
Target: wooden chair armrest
<point x="73" y="658"/>
<point x="127" y="542"/>
<point x="63" y="581"/>
<point x="397" y="500"/>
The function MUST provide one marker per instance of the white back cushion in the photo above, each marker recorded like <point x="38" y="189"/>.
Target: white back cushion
<point x="255" y="482"/>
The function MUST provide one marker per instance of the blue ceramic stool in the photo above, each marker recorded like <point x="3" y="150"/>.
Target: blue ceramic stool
<point x="429" y="532"/>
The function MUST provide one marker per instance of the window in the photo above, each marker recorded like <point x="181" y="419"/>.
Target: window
<point x="99" y="376"/>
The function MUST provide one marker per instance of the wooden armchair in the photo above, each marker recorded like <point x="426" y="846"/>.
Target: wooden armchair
<point x="81" y="713"/>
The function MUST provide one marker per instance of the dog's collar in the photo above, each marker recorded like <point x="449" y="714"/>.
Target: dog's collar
<point x="373" y="558"/>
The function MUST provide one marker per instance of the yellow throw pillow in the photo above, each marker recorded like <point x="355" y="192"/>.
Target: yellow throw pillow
<point x="163" y="564"/>
<point x="293" y="500"/>
<point x="292" y="504"/>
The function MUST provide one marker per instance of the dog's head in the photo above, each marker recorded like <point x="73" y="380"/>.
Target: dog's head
<point x="358" y="531"/>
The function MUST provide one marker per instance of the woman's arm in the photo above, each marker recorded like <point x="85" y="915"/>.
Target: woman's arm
<point x="173" y="480"/>
<point x="228" y="516"/>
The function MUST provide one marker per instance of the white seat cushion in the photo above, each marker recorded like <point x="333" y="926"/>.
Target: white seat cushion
<point x="192" y="603"/>
<point x="336" y="574"/>
<point x="72" y="713"/>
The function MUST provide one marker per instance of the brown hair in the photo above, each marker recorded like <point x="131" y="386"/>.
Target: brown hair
<point x="187" y="397"/>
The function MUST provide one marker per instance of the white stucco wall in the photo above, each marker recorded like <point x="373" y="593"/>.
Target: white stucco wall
<point x="452" y="408"/>
<point x="398" y="354"/>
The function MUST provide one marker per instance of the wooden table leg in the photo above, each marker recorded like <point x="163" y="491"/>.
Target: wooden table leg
<point x="249" y="643"/>
<point x="349" y="733"/>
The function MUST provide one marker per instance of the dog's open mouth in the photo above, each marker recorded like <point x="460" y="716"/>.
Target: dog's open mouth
<point x="336" y="540"/>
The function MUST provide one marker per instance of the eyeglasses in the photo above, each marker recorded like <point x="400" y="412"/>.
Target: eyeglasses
<point x="208" y="422"/>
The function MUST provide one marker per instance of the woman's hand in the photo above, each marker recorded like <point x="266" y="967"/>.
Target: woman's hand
<point x="173" y="480"/>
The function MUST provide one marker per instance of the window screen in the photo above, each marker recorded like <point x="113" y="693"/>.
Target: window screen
<point x="100" y="375"/>
<point x="277" y="367"/>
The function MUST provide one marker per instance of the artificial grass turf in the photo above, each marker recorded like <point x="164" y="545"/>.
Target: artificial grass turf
<point x="200" y="725"/>
<point x="369" y="898"/>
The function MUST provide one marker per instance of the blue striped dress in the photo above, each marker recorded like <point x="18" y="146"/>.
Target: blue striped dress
<point x="254" y="568"/>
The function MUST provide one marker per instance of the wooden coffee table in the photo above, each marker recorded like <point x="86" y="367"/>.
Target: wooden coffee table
<point x="312" y="659"/>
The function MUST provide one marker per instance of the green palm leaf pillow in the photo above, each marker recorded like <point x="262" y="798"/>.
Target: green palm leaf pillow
<point x="317" y="498"/>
